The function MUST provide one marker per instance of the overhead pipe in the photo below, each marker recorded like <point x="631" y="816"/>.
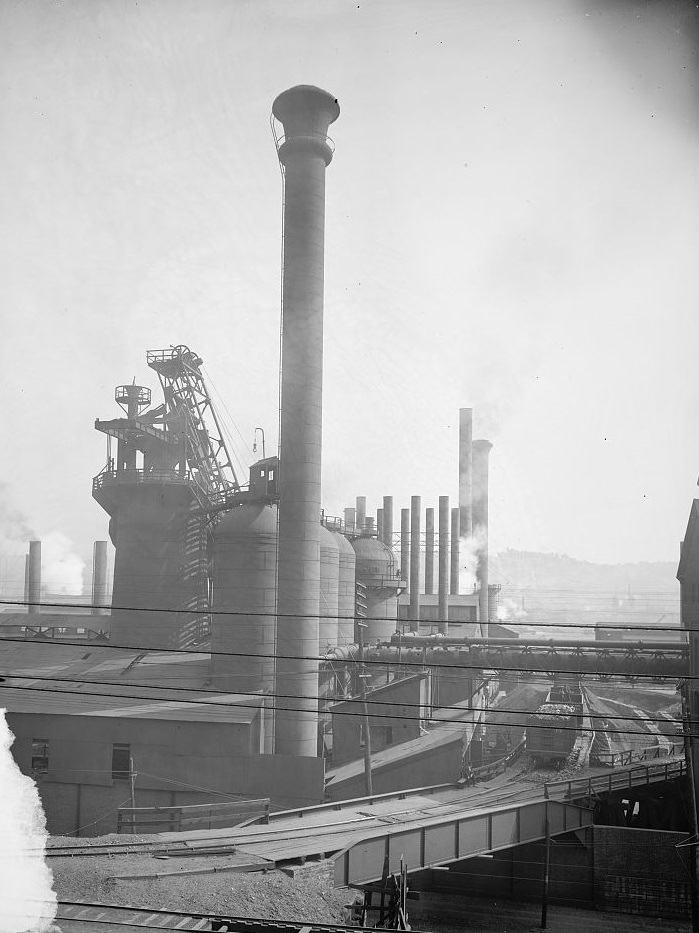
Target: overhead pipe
<point x="443" y="585"/>
<point x="414" y="584"/>
<point x="429" y="552"/>
<point x="305" y="113"/>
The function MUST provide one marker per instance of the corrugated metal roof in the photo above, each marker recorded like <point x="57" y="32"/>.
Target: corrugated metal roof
<point x="56" y="702"/>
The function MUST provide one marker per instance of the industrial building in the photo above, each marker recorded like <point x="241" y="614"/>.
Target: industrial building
<point x="242" y="590"/>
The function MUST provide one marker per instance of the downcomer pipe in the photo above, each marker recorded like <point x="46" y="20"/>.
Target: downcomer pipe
<point x="305" y="113"/>
<point x="481" y="451"/>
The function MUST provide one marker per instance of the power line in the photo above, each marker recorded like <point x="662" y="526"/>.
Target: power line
<point x="450" y="722"/>
<point x="329" y="699"/>
<point x="333" y="617"/>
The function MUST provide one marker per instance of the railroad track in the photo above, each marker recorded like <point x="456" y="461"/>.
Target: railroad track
<point x="82" y="916"/>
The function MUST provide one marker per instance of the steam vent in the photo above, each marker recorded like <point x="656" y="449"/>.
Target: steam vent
<point x="304" y="152"/>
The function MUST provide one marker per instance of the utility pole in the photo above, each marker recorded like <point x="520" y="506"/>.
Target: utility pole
<point x="132" y="786"/>
<point x="694" y="821"/>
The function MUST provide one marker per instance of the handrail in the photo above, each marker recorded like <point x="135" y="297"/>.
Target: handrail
<point x="616" y="779"/>
<point x="151" y="475"/>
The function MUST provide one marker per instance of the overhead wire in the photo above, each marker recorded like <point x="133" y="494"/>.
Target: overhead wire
<point x="288" y="615"/>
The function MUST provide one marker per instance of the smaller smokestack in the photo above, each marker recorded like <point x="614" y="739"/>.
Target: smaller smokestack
<point x="388" y="521"/>
<point x="405" y="545"/>
<point x="350" y="521"/>
<point x="443" y="586"/>
<point x="465" y="471"/>
<point x="481" y="451"/>
<point x="361" y="512"/>
<point x="414" y="590"/>
<point x="379" y="524"/>
<point x="455" y="534"/>
<point x="99" y="577"/>
<point x="26" y="578"/>
<point x="429" y="552"/>
<point x="34" y="588"/>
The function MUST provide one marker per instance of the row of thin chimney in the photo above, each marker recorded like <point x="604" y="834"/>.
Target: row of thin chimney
<point x="32" y="578"/>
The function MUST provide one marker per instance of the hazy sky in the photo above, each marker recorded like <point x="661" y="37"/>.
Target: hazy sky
<point x="511" y="226"/>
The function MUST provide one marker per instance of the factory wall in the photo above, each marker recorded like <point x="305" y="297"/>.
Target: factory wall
<point x="400" y="704"/>
<point x="170" y="758"/>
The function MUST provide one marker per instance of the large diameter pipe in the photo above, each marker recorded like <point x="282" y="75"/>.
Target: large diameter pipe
<point x="405" y="545"/>
<point x="454" y="562"/>
<point x="429" y="552"/>
<point x="99" y="577"/>
<point x="388" y="521"/>
<point x="34" y="578"/>
<point x="443" y="587"/>
<point x="481" y="451"/>
<point x="305" y="113"/>
<point x="465" y="471"/>
<point x="414" y="589"/>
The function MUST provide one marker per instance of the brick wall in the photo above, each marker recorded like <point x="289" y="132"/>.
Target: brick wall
<point x="641" y="871"/>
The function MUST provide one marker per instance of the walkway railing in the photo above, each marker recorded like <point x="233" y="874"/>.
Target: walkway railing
<point x="191" y="816"/>
<point x="580" y="788"/>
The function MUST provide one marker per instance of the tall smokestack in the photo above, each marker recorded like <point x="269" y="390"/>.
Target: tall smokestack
<point x="429" y="552"/>
<point x="465" y="472"/>
<point x="99" y="577"/>
<point x="388" y="521"/>
<point x="34" y="577"/>
<point x="405" y="545"/>
<point x="414" y="588"/>
<point x="305" y="113"/>
<point x="361" y="512"/>
<point x="481" y="450"/>
<point x="454" y="565"/>
<point x="443" y="585"/>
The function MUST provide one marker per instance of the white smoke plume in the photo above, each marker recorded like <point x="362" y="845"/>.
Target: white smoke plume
<point x="509" y="611"/>
<point x="469" y="549"/>
<point x="61" y="568"/>
<point x="28" y="902"/>
<point x="15" y="530"/>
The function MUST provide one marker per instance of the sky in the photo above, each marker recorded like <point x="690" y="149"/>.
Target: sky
<point x="511" y="226"/>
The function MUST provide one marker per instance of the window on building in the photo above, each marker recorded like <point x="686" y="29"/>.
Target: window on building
<point x="121" y="756"/>
<point x="40" y="755"/>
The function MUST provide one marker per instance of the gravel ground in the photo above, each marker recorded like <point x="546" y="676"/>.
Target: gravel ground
<point x="274" y="895"/>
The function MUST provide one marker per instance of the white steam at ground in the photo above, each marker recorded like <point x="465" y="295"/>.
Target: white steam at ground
<point x="27" y="900"/>
<point x="469" y="549"/>
<point x="509" y="611"/>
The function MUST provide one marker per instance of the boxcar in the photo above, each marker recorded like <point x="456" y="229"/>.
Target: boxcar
<point x="551" y="732"/>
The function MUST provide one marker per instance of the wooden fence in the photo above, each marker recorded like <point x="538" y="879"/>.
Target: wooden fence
<point x="190" y="816"/>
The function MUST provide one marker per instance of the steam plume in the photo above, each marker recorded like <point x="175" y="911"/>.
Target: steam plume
<point x="61" y="568"/>
<point x="508" y="611"/>
<point x="469" y="549"/>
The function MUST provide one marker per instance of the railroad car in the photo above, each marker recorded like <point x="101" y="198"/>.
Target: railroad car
<point x="551" y="732"/>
